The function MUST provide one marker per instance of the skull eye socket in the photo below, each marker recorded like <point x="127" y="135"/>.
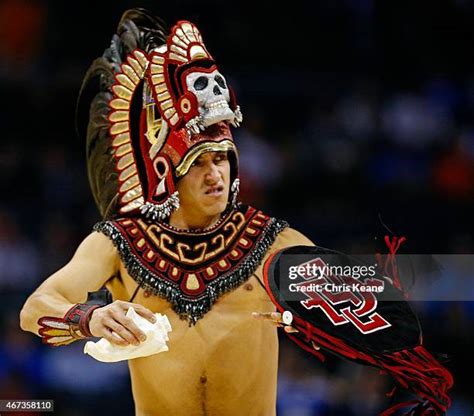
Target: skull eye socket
<point x="220" y="81"/>
<point x="200" y="83"/>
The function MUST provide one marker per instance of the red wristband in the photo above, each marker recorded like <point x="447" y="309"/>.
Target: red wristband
<point x="73" y="326"/>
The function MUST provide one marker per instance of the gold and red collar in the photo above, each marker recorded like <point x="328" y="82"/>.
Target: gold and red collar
<point x="192" y="269"/>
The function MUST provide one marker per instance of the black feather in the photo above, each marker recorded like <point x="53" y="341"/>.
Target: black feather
<point x="136" y="29"/>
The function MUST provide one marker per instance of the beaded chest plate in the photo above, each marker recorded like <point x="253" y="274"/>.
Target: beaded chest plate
<point x="193" y="269"/>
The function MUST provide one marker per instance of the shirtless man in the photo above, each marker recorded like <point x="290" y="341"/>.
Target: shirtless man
<point x="177" y="242"/>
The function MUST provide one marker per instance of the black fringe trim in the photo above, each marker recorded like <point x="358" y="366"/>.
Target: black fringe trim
<point x="192" y="309"/>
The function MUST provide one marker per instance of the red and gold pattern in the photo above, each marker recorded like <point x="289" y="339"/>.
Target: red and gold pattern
<point x="192" y="260"/>
<point x="192" y="269"/>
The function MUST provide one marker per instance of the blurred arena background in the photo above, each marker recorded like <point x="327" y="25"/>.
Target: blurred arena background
<point x="354" y="111"/>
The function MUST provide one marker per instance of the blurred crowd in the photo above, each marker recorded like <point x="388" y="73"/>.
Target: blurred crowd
<point x="358" y="122"/>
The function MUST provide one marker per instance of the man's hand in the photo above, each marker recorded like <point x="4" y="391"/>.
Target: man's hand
<point x="110" y="322"/>
<point x="275" y="318"/>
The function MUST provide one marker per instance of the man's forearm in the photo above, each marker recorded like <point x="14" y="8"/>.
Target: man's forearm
<point x="56" y="320"/>
<point x="39" y="305"/>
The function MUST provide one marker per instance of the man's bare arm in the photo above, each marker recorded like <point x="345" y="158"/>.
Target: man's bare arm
<point x="95" y="261"/>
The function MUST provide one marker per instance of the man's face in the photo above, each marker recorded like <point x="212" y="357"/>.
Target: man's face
<point x="204" y="190"/>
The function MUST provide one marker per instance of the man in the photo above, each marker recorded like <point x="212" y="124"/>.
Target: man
<point x="175" y="239"/>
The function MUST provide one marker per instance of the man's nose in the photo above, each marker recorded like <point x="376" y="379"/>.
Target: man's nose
<point x="212" y="172"/>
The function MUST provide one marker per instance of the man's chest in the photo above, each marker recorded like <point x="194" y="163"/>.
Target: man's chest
<point x="226" y="357"/>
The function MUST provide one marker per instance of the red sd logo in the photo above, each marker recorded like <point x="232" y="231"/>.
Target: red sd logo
<point x="343" y="299"/>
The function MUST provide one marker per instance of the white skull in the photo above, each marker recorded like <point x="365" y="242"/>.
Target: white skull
<point x="213" y="96"/>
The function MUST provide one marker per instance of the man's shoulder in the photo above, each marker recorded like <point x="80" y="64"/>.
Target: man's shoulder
<point x="291" y="237"/>
<point x="285" y="236"/>
<point x="288" y="237"/>
<point x="97" y="244"/>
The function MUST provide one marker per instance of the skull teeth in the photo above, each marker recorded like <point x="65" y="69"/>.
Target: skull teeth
<point x="217" y="104"/>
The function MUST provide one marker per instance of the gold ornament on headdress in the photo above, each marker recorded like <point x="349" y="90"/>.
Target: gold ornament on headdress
<point x="132" y="72"/>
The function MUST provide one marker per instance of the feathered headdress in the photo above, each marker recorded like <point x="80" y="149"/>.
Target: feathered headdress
<point x="148" y="108"/>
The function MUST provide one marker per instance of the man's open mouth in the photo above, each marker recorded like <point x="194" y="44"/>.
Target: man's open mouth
<point x="215" y="190"/>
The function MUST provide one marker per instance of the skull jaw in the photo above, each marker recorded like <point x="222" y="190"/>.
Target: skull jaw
<point x="215" y="115"/>
<point x="211" y="116"/>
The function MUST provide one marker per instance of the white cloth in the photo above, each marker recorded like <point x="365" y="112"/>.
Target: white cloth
<point x="156" y="338"/>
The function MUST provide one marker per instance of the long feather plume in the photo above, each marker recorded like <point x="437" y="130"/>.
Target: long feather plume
<point x="137" y="29"/>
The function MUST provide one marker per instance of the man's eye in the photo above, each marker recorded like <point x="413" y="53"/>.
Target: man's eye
<point x="220" y="158"/>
